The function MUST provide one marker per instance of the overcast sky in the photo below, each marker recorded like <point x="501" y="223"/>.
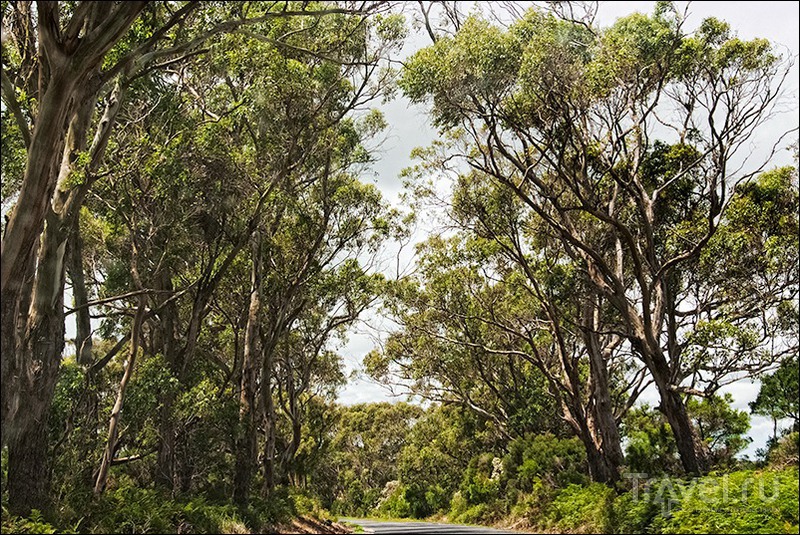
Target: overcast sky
<point x="409" y="128"/>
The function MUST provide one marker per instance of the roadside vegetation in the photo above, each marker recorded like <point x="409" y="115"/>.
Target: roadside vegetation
<point x="192" y="226"/>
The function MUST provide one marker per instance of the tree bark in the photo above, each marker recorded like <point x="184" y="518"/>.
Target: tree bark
<point x="609" y="444"/>
<point x="83" y="324"/>
<point x="268" y="405"/>
<point x="113" y="424"/>
<point x="22" y="235"/>
<point x="246" y="443"/>
<point x="37" y="345"/>
<point x="64" y="82"/>
<point x="28" y="460"/>
<point x="28" y="481"/>
<point x="692" y="451"/>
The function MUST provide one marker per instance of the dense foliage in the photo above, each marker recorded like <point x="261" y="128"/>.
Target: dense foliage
<point x="191" y="230"/>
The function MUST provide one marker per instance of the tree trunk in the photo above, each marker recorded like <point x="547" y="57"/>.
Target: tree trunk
<point x="64" y="81"/>
<point x="609" y="444"/>
<point x="601" y="469"/>
<point x="83" y="325"/>
<point x="268" y="405"/>
<point x="113" y="425"/>
<point x="37" y="362"/>
<point x="165" y="460"/>
<point x="170" y="436"/>
<point x="291" y="452"/>
<point x="22" y="235"/>
<point x="28" y="481"/>
<point x="246" y="443"/>
<point x="28" y="462"/>
<point x="693" y="453"/>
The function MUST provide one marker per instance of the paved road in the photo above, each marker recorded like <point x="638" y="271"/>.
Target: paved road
<point x="386" y="527"/>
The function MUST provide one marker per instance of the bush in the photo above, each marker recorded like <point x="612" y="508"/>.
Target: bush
<point x="35" y="523"/>
<point x="582" y="509"/>
<point x="306" y="504"/>
<point x="129" y="509"/>
<point x="133" y="510"/>
<point x="479" y="485"/>
<point x="458" y="505"/>
<point x="785" y="452"/>
<point x="533" y="504"/>
<point x="629" y="515"/>
<point x="740" y="502"/>
<point x="394" y="504"/>
<point x="473" y="515"/>
<point x="559" y="461"/>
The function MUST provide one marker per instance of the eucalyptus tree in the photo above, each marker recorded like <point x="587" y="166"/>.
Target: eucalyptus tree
<point x="60" y="60"/>
<point x="447" y="348"/>
<point x="367" y="442"/>
<point x="589" y="369"/>
<point x="510" y="339"/>
<point x="306" y="365"/>
<point x="778" y="396"/>
<point x="314" y="286"/>
<point x="566" y="116"/>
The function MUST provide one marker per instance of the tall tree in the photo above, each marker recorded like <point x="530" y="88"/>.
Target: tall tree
<point x="565" y="115"/>
<point x="60" y="61"/>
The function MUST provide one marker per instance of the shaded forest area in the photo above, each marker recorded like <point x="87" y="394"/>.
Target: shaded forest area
<point x="188" y="184"/>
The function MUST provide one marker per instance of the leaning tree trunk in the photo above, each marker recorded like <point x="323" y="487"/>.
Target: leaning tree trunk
<point x="692" y="451"/>
<point x="38" y="346"/>
<point x="64" y="83"/>
<point x="20" y="240"/>
<point x="113" y="424"/>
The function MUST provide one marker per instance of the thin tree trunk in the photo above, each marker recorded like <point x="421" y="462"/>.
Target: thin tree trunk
<point x="246" y="443"/>
<point x="165" y="328"/>
<point x="113" y="424"/>
<point x="83" y="325"/>
<point x="268" y="405"/>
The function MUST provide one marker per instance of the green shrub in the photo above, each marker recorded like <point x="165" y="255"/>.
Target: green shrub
<point x="436" y="498"/>
<point x="458" y="505"/>
<point x="559" y="461"/>
<point x="740" y="502"/>
<point x="582" y="509"/>
<point x="133" y="510"/>
<point x="394" y="503"/>
<point x="629" y="515"/>
<point x="532" y="505"/>
<point x="35" y="523"/>
<point x="478" y="485"/>
<point x="199" y="516"/>
<point x="473" y="515"/>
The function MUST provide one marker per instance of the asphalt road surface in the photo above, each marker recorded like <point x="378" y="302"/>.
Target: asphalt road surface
<point x="387" y="527"/>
